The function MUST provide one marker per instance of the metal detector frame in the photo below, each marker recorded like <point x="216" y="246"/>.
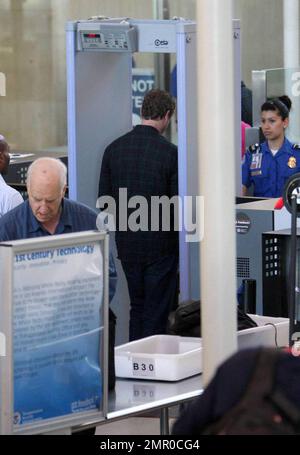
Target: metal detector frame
<point x="100" y="110"/>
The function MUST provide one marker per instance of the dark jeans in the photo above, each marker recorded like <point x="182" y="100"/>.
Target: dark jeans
<point x="152" y="287"/>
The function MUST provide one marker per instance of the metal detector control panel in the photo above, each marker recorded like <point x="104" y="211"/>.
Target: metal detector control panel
<point x="111" y="37"/>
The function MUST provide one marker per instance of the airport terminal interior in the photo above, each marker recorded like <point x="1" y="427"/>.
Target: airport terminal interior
<point x="73" y="76"/>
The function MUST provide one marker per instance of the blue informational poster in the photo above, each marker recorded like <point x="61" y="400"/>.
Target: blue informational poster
<point x="58" y="295"/>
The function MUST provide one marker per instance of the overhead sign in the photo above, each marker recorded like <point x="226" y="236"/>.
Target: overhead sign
<point x="143" y="80"/>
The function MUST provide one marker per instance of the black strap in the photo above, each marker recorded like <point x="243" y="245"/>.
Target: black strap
<point x="262" y="381"/>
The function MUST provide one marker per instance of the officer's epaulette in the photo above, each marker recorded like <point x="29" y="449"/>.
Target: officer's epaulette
<point x="253" y="148"/>
<point x="296" y="146"/>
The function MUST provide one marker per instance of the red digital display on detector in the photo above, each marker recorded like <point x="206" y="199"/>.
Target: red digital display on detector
<point x="91" y="35"/>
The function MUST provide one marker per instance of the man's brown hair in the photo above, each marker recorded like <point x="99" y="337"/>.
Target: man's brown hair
<point x="156" y="104"/>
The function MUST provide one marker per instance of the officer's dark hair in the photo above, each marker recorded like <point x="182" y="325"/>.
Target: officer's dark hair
<point x="156" y="104"/>
<point x="282" y="104"/>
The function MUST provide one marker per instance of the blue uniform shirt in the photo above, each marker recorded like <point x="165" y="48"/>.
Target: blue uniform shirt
<point x="269" y="173"/>
<point x="20" y="223"/>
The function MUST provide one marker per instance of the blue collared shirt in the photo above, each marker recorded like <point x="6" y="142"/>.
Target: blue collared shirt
<point x="269" y="173"/>
<point x="20" y="223"/>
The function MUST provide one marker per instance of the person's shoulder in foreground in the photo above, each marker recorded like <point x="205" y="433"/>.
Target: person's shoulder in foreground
<point x="222" y="394"/>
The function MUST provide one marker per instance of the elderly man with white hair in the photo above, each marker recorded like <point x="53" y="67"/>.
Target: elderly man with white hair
<point x="47" y="211"/>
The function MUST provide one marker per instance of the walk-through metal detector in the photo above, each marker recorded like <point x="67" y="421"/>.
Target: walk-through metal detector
<point x="99" y="75"/>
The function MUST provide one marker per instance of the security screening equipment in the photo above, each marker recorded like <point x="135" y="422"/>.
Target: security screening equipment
<point x="276" y="251"/>
<point x="99" y="78"/>
<point x="252" y="220"/>
<point x="108" y="37"/>
<point x="20" y="162"/>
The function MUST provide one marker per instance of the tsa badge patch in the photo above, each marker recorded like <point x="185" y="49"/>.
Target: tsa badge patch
<point x="256" y="161"/>
<point x="292" y="162"/>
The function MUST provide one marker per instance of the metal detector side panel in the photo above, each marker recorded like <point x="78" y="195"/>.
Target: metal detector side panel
<point x="99" y="110"/>
<point x="237" y="105"/>
<point x="187" y="159"/>
<point x="187" y="150"/>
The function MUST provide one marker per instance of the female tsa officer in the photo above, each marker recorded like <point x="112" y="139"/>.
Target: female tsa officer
<point x="268" y="165"/>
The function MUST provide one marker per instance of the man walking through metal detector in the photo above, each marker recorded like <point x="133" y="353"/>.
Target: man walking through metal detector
<point x="137" y="167"/>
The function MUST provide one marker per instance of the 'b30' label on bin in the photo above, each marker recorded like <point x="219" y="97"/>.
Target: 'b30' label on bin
<point x="143" y="367"/>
